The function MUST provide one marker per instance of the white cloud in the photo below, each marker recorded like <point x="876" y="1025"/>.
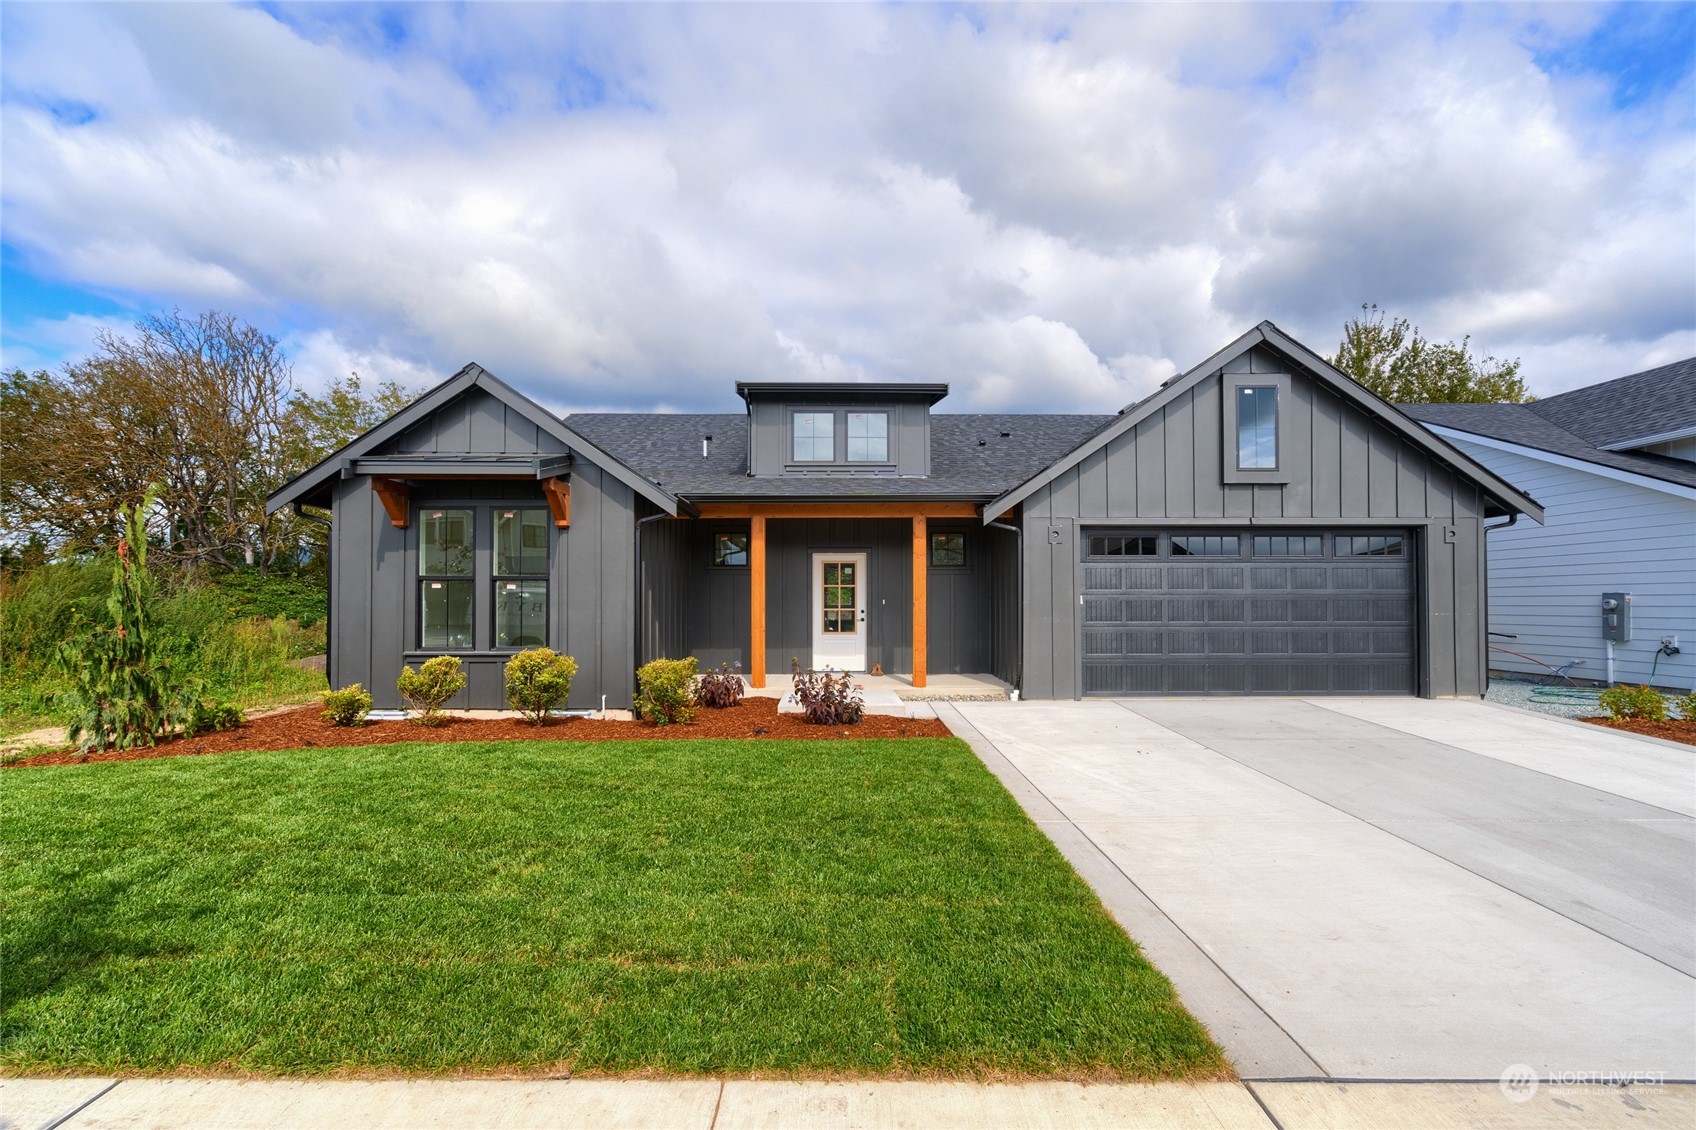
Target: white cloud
<point x="1047" y="207"/>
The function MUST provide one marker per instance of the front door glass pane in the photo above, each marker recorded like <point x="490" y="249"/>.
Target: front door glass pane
<point x="447" y="614"/>
<point x="840" y="598"/>
<point x="445" y="544"/>
<point x="521" y="613"/>
<point x="521" y="542"/>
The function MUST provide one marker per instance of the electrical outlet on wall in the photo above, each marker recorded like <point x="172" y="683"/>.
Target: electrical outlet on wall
<point x="1670" y="644"/>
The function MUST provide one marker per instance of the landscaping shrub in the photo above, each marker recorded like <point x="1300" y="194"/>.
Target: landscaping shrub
<point x="346" y="707"/>
<point x="537" y="680"/>
<point x="721" y="688"/>
<point x="665" y="691"/>
<point x="122" y="692"/>
<point x="426" y="689"/>
<point x="1624" y="702"/>
<point x="827" y="699"/>
<point x="209" y="716"/>
<point x="1686" y="704"/>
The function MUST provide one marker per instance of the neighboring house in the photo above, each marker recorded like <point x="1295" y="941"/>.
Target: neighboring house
<point x="1260" y="524"/>
<point x="1614" y="465"/>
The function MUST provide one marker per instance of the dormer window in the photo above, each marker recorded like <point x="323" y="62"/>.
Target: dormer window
<point x="868" y="437"/>
<point x="814" y="437"/>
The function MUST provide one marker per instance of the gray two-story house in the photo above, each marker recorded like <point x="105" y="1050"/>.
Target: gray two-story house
<point x="1259" y="525"/>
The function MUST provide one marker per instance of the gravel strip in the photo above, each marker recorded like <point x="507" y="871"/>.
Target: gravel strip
<point x="1563" y="702"/>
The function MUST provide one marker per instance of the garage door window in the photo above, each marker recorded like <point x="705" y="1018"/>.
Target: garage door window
<point x="1289" y="545"/>
<point x="1369" y="546"/>
<point x="1123" y="545"/>
<point x="1209" y="545"/>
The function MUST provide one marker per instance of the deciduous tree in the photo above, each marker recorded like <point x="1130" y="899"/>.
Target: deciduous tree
<point x="1390" y="357"/>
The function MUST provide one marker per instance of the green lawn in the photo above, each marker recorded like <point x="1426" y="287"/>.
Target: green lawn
<point x="674" y="907"/>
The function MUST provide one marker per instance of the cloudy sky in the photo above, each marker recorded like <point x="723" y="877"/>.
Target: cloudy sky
<point x="1049" y="207"/>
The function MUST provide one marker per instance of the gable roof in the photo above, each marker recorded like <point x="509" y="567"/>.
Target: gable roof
<point x="972" y="456"/>
<point x="1524" y="426"/>
<point x="1313" y="366"/>
<point x="315" y="478"/>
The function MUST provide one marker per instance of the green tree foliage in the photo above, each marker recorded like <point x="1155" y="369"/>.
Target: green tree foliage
<point x="1390" y="357"/>
<point x="203" y="406"/>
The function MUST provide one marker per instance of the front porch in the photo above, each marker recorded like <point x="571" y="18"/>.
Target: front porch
<point x="905" y="591"/>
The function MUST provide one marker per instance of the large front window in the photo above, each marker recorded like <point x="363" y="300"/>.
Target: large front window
<point x="445" y="566"/>
<point x="868" y="437"/>
<point x="521" y="578"/>
<point x="1257" y="428"/>
<point x="815" y="437"/>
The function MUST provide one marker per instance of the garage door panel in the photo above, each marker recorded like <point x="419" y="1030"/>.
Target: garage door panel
<point x="1331" y="625"/>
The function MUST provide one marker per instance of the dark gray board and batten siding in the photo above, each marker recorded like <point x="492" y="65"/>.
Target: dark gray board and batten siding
<point x="1345" y="470"/>
<point x="374" y="592"/>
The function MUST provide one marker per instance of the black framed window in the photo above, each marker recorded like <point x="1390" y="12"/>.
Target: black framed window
<point x="1205" y="545"/>
<point x="868" y="437"/>
<point x="1257" y="428"/>
<point x="947" y="550"/>
<point x="1123" y="545"/>
<point x="446" y="546"/>
<point x="521" y="577"/>
<point x="813" y="436"/>
<point x="730" y="550"/>
<point x="1289" y="545"/>
<point x="1370" y="545"/>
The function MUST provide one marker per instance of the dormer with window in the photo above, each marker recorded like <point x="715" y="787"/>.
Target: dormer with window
<point x="839" y="429"/>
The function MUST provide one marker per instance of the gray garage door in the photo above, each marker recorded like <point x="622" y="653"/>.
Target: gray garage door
<point x="1248" y="612"/>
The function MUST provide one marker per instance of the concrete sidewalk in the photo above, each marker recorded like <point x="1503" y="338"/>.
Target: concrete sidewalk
<point x="708" y="1104"/>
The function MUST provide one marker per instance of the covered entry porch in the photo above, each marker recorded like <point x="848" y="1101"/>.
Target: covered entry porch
<point x="908" y="589"/>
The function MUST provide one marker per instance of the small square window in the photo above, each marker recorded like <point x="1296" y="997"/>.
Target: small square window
<point x="814" y="435"/>
<point x="868" y="437"/>
<point x="730" y="549"/>
<point x="947" y="550"/>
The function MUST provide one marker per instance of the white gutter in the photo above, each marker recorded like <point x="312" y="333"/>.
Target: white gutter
<point x="1646" y="481"/>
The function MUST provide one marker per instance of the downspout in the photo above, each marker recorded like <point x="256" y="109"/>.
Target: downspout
<point x="329" y="583"/>
<point x="640" y="522"/>
<point x="1019" y="599"/>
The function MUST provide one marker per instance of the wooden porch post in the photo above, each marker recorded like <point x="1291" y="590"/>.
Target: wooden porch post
<point x="921" y="567"/>
<point x="757" y="600"/>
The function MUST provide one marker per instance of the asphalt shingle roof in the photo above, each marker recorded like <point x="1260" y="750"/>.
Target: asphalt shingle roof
<point x="1575" y="423"/>
<point x="666" y="448"/>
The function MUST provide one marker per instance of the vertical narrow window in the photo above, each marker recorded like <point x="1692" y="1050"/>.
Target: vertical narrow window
<point x="868" y="437"/>
<point x="444" y="579"/>
<point x="521" y="578"/>
<point x="814" y="436"/>
<point x="1257" y="428"/>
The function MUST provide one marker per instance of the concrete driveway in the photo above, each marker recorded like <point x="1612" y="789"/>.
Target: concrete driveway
<point x="1381" y="888"/>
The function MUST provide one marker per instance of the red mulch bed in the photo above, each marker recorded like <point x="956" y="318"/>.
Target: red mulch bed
<point x="1672" y="730"/>
<point x="304" y="728"/>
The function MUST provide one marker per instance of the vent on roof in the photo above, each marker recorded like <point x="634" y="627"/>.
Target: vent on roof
<point x="706" y="446"/>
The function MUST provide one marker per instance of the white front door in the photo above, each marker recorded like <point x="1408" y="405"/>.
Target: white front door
<point x="839" y="611"/>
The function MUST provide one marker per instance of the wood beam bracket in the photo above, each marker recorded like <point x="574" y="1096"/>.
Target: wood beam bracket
<point x="558" y="492"/>
<point x="396" y="497"/>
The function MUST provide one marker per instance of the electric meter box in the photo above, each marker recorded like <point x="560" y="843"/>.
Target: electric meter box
<point x="1616" y="617"/>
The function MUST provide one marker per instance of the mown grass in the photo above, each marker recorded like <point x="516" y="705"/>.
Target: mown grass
<point x="856" y="907"/>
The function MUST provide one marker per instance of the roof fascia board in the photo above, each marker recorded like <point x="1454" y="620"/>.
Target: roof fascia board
<point x="1317" y="367"/>
<point x="1129" y="417"/>
<point x="471" y="376"/>
<point x="1645" y="441"/>
<point x="557" y="428"/>
<point x="1648" y="482"/>
<point x="331" y="465"/>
